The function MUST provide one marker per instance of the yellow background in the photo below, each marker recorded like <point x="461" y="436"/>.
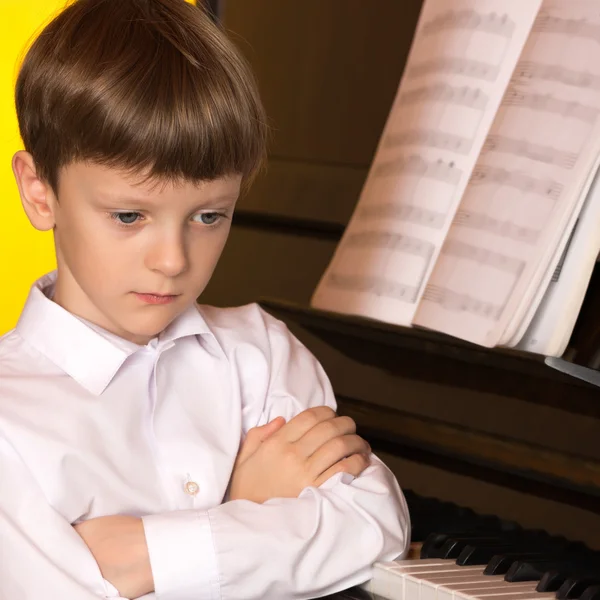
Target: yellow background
<point x="25" y="254"/>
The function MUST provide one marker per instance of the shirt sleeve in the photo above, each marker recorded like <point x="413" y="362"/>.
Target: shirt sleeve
<point x="323" y="541"/>
<point x="41" y="555"/>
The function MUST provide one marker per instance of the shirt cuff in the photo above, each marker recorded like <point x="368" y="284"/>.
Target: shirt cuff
<point x="111" y="592"/>
<point x="182" y="555"/>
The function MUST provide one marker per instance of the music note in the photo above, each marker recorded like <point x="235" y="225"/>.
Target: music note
<point x="582" y="28"/>
<point x="403" y="212"/>
<point x="499" y="24"/>
<point x="485" y="174"/>
<point x="390" y="241"/>
<point x="443" y="92"/>
<point x="475" y="220"/>
<point x="456" y="302"/>
<point x="377" y="286"/>
<point x="483" y="256"/>
<point x="416" y="165"/>
<point x="537" y="152"/>
<point x="475" y="69"/>
<point x="527" y="70"/>
<point x="430" y="138"/>
<point x="549" y="103"/>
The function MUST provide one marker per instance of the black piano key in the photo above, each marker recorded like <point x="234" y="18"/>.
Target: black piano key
<point x="453" y="546"/>
<point x="534" y="570"/>
<point x="451" y="531"/>
<point x="574" y="587"/>
<point x="501" y="563"/>
<point x="473" y="554"/>
<point x="530" y="570"/>
<point x="551" y="581"/>
<point x="592" y="593"/>
<point x="432" y="543"/>
<point x="580" y="573"/>
<point x="433" y="546"/>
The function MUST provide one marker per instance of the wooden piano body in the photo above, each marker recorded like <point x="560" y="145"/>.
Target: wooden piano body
<point x="496" y="431"/>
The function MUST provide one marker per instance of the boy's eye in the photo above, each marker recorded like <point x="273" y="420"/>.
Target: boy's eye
<point x="130" y="218"/>
<point x="209" y="218"/>
<point x="126" y="218"/>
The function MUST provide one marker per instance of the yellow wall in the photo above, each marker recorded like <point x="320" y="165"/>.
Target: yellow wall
<point x="25" y="253"/>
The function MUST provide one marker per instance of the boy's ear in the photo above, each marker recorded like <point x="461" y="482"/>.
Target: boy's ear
<point x="36" y="195"/>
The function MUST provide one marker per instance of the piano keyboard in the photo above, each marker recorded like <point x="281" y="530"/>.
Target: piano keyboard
<point x="464" y="556"/>
<point x="444" y="580"/>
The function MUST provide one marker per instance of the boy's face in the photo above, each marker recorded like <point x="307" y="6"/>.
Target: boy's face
<point x="132" y="257"/>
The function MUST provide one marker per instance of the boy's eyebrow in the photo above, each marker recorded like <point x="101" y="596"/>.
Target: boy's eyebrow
<point x="109" y="198"/>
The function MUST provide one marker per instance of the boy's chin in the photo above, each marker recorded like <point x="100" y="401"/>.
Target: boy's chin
<point x="142" y="332"/>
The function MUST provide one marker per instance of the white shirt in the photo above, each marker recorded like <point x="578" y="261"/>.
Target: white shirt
<point x="94" y="425"/>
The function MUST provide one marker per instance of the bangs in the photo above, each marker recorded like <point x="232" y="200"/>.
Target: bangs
<point x="147" y="86"/>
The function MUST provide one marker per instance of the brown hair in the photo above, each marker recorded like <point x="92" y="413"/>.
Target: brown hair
<point x="146" y="86"/>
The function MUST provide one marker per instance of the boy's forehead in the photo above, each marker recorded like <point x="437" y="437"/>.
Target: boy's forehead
<point x="114" y="182"/>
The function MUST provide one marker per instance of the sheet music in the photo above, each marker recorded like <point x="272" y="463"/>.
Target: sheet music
<point x="459" y="66"/>
<point x="528" y="186"/>
<point x="552" y="326"/>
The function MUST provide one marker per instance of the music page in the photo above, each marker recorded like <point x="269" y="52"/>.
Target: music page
<point x="552" y="326"/>
<point x="460" y="63"/>
<point x="528" y="186"/>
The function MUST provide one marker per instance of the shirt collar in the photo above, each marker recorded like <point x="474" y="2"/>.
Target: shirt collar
<point x="89" y="354"/>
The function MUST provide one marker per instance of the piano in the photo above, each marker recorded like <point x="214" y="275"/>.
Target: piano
<point x="457" y="554"/>
<point x="500" y="453"/>
<point x="465" y="556"/>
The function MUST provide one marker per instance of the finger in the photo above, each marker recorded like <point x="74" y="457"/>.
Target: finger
<point x="268" y="429"/>
<point x="323" y="432"/>
<point x="256" y="436"/>
<point x="335" y="450"/>
<point x="305" y="421"/>
<point x="354" y="465"/>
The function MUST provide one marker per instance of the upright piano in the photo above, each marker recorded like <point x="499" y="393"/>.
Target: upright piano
<point x="491" y="515"/>
<point x="498" y="454"/>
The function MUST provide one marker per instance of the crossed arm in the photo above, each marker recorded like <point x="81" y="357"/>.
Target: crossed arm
<point x="298" y="522"/>
<point x="277" y="460"/>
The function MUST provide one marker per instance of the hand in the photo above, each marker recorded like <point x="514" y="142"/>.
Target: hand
<point x="278" y="460"/>
<point x="118" y="544"/>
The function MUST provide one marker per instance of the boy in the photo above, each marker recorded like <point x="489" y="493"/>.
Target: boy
<point x="123" y="404"/>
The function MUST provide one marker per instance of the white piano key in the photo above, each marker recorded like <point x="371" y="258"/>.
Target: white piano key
<point x="418" y="583"/>
<point x="433" y="587"/>
<point x="388" y="581"/>
<point x="415" y="562"/>
<point x="430" y="588"/>
<point x="389" y="578"/>
<point x="446" y="569"/>
<point x="491" y="585"/>
<point x="386" y="584"/>
<point x="511" y="596"/>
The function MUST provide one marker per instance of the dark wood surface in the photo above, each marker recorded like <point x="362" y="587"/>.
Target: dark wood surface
<point x="410" y="352"/>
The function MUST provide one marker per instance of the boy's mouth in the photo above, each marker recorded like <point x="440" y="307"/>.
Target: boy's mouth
<point x="156" y="298"/>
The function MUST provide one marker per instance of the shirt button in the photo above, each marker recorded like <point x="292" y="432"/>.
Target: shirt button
<point x="191" y="488"/>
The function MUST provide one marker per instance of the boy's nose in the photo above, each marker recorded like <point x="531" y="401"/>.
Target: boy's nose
<point x="168" y="255"/>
